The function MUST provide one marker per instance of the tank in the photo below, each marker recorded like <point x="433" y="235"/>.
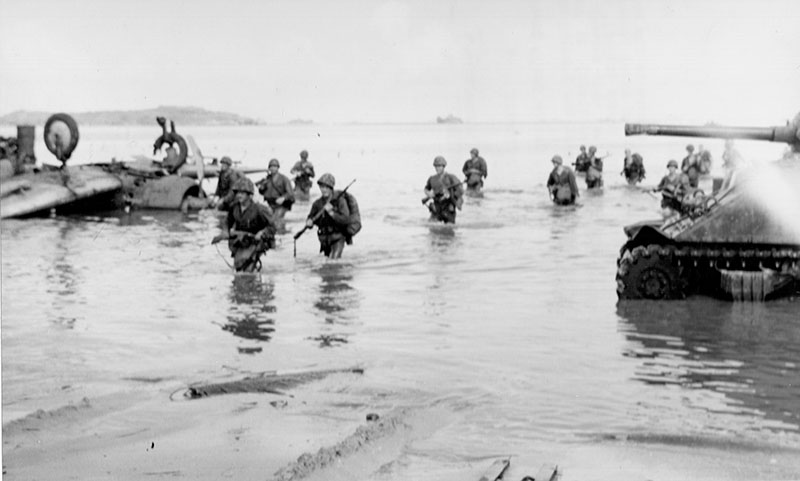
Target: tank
<point x="740" y="243"/>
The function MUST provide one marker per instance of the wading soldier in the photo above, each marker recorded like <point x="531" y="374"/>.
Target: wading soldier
<point x="251" y="231"/>
<point x="331" y="214"/>
<point x="443" y="193"/>
<point x="303" y="172"/>
<point x="277" y="191"/>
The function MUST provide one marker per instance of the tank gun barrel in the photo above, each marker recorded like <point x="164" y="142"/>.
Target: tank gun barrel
<point x="789" y="134"/>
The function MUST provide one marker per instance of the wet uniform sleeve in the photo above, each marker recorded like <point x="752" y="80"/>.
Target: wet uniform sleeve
<point x="287" y="187"/>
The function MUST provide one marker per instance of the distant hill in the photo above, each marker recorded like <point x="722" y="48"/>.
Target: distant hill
<point x="181" y="116"/>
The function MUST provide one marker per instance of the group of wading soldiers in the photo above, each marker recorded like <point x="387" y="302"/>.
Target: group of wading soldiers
<point x="679" y="187"/>
<point x="252" y="226"/>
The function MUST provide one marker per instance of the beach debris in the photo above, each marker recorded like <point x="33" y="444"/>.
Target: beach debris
<point x="265" y="383"/>
<point x="327" y="456"/>
<point x="372" y="417"/>
<point x="496" y="470"/>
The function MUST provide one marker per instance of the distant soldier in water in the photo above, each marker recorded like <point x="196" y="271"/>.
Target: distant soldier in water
<point x="303" y="172"/>
<point x="594" y="173"/>
<point x="582" y="161"/>
<point x="251" y="231"/>
<point x="673" y="187"/>
<point x="331" y="214"/>
<point x="224" y="194"/>
<point x="443" y="193"/>
<point x="277" y="191"/>
<point x="691" y="166"/>
<point x="561" y="183"/>
<point x="633" y="167"/>
<point x="475" y="170"/>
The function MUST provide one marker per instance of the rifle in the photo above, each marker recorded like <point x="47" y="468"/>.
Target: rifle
<point x="318" y="215"/>
<point x="232" y="233"/>
<point x="426" y="198"/>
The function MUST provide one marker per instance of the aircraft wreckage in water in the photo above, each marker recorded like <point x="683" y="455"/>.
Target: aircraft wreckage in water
<point x="30" y="190"/>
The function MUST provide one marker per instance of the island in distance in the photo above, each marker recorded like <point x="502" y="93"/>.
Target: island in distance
<point x="181" y="116"/>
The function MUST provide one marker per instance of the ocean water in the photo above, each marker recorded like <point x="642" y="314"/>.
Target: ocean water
<point x="508" y="320"/>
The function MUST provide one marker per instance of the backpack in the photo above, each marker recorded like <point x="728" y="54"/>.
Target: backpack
<point x="354" y="227"/>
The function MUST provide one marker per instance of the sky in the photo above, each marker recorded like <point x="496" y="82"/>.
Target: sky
<point x="727" y="61"/>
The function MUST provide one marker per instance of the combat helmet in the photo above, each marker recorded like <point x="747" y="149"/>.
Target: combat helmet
<point x="243" y="184"/>
<point x="304" y="154"/>
<point x="439" y="160"/>
<point x="672" y="163"/>
<point x="474" y="151"/>
<point x="326" y="180"/>
<point x="274" y="162"/>
<point x="226" y="160"/>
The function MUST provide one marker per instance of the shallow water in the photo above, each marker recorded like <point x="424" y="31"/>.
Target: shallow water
<point x="509" y="320"/>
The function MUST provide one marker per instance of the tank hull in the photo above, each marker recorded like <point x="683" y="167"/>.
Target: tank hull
<point x="741" y="243"/>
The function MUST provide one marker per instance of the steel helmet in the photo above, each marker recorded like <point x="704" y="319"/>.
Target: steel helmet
<point x="304" y="154"/>
<point x="557" y="160"/>
<point x="274" y="162"/>
<point x="225" y="160"/>
<point x="672" y="163"/>
<point x="326" y="180"/>
<point x="690" y="148"/>
<point x="474" y="151"/>
<point x="243" y="184"/>
<point x="592" y="148"/>
<point x="439" y="160"/>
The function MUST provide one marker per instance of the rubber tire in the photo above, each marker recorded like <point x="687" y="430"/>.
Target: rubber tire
<point x="170" y="138"/>
<point x="646" y="273"/>
<point x="50" y="136"/>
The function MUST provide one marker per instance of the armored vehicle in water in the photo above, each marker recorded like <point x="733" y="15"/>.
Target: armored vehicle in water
<point x="742" y="242"/>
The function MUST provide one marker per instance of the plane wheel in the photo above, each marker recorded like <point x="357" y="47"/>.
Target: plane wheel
<point x="61" y="135"/>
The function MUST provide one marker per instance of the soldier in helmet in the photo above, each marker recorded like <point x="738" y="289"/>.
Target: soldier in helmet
<point x="303" y="172"/>
<point x="561" y="183"/>
<point x="475" y="170"/>
<point x="691" y="166"/>
<point x="251" y="230"/>
<point x="224" y="195"/>
<point x="673" y="187"/>
<point x="633" y="167"/>
<point x="443" y="193"/>
<point x="331" y="214"/>
<point x="594" y="170"/>
<point x="277" y="191"/>
<point x="582" y="161"/>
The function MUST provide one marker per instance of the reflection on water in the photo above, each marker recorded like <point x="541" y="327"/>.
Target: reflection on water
<point x="746" y="355"/>
<point x="251" y="312"/>
<point x="63" y="278"/>
<point x="337" y="303"/>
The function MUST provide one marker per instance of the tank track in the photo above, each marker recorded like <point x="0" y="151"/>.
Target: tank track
<point x="673" y="272"/>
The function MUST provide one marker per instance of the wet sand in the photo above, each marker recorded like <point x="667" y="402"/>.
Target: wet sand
<point x="320" y="431"/>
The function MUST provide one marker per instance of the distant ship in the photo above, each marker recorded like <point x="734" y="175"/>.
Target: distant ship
<point x="450" y="119"/>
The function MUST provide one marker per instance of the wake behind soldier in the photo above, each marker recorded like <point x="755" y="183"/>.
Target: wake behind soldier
<point x="277" y="191"/>
<point x="303" y="172"/>
<point x="251" y="231"/>
<point x="445" y="191"/>
<point x="475" y="170"/>
<point x="331" y="214"/>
